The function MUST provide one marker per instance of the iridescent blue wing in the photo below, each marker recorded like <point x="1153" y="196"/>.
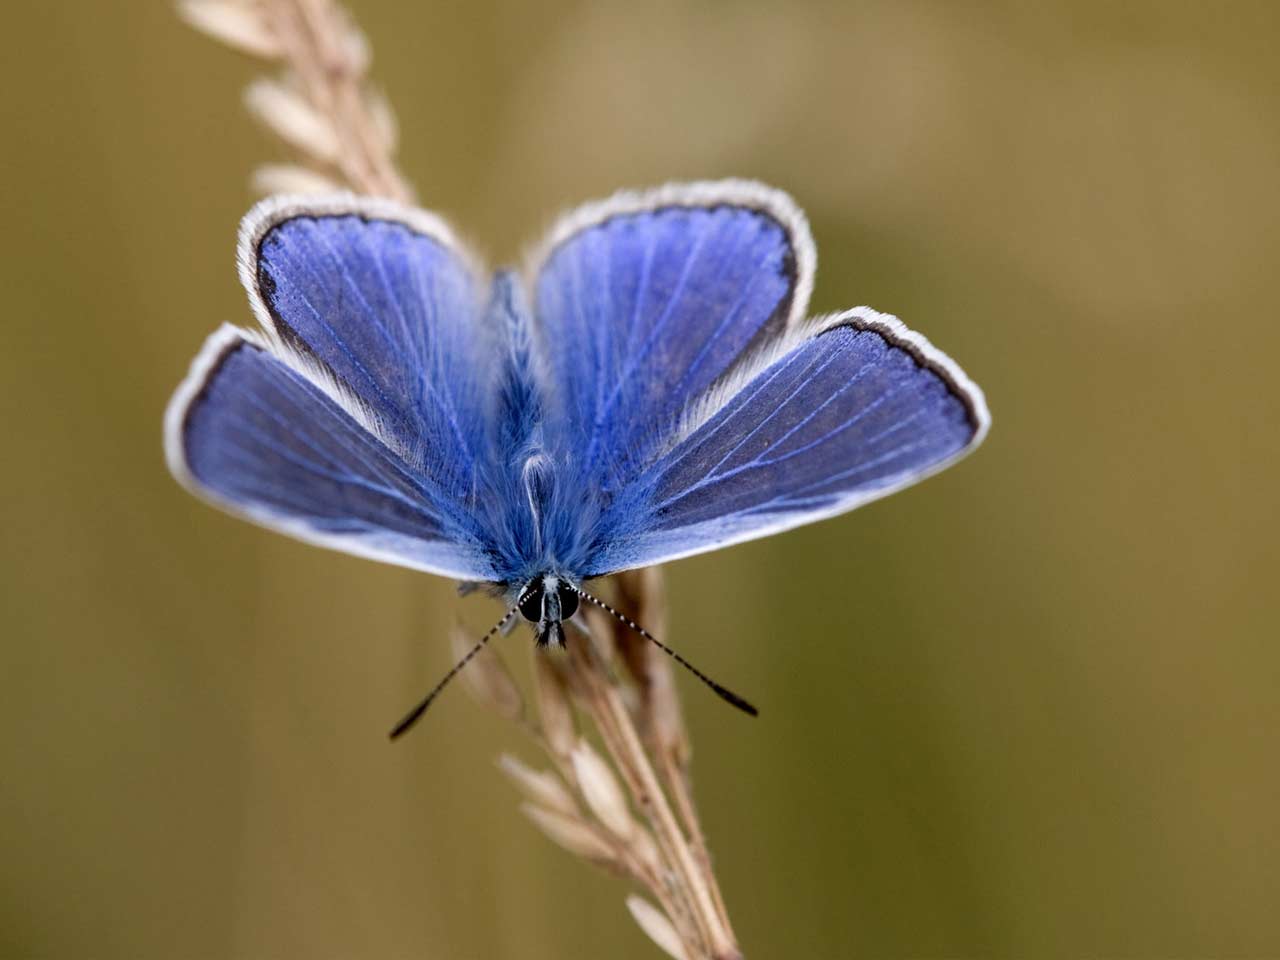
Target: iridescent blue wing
<point x="261" y="439"/>
<point x="358" y="420"/>
<point x="823" y="421"/>
<point x="704" y="408"/>
<point x="644" y="301"/>
<point x="380" y="298"/>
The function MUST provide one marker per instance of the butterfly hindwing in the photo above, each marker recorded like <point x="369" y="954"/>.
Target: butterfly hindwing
<point x="822" y="423"/>
<point x="645" y="300"/>
<point x="381" y="298"/>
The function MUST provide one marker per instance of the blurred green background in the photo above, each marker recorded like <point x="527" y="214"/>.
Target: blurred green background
<point x="1028" y="709"/>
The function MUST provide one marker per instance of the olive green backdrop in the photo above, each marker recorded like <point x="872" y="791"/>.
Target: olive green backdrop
<point x="1027" y="709"/>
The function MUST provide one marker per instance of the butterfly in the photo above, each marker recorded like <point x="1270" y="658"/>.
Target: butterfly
<point x="648" y="387"/>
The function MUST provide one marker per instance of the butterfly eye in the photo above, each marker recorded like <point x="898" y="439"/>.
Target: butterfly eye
<point x="568" y="598"/>
<point x="531" y="603"/>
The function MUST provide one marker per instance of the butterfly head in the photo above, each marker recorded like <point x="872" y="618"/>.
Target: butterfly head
<point x="547" y="601"/>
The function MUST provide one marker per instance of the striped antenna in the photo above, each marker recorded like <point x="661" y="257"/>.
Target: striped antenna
<point x="724" y="693"/>
<point x="416" y="713"/>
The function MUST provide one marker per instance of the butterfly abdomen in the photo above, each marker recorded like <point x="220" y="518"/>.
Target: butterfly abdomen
<point x="541" y="519"/>
<point x="519" y="406"/>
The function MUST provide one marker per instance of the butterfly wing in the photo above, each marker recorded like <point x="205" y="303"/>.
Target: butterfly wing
<point x="381" y="298"/>
<point x="645" y="300"/>
<point x="356" y="421"/>
<point x="830" y="418"/>
<point x="709" y="411"/>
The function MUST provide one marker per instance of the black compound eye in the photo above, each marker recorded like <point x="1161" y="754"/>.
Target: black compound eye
<point x="568" y="598"/>
<point x="531" y="603"/>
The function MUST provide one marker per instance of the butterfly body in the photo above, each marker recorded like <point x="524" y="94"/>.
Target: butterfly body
<point x="529" y="507"/>
<point x="648" y="387"/>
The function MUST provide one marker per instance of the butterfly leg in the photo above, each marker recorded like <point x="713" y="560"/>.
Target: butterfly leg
<point x="550" y="634"/>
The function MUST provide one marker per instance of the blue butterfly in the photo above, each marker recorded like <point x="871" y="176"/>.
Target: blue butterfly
<point x="647" y="388"/>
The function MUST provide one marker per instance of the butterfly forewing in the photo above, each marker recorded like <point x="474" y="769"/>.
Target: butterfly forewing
<point x="259" y="439"/>
<point x="847" y="415"/>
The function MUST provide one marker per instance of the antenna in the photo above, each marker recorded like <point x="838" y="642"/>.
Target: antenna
<point x="413" y="715"/>
<point x="723" y="692"/>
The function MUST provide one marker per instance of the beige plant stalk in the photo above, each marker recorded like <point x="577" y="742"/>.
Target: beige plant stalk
<point x="635" y="814"/>
<point x="630" y="808"/>
<point x="341" y="129"/>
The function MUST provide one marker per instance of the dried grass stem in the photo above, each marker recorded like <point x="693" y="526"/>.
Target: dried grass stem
<point x="322" y="105"/>
<point x="615" y="725"/>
